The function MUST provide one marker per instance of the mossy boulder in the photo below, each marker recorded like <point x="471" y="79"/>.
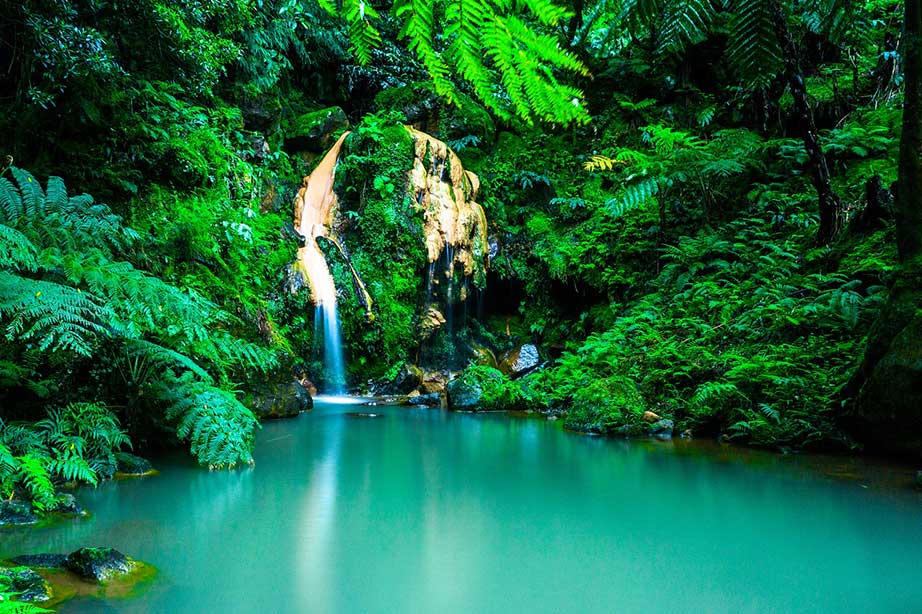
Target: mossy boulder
<point x="607" y="406"/>
<point x="282" y="400"/>
<point x="16" y="513"/>
<point x="130" y="464"/>
<point x="891" y="398"/>
<point x="30" y="586"/>
<point x="315" y="131"/>
<point x="68" y="504"/>
<point x="481" y="388"/>
<point x="99" y="564"/>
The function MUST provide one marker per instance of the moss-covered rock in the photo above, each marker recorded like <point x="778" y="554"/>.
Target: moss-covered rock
<point x="891" y="398"/>
<point x="99" y="564"/>
<point x="283" y="400"/>
<point x="16" y="513"/>
<point x="130" y="464"/>
<point x="315" y="131"/>
<point x="30" y="585"/>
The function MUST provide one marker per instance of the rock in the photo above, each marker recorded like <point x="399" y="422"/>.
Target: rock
<point x="129" y="464"/>
<point x="890" y="399"/>
<point x="431" y="399"/>
<point x="662" y="428"/>
<point x="519" y="361"/>
<point x="68" y="504"/>
<point x="363" y="414"/>
<point x="464" y="393"/>
<point x="483" y="356"/>
<point x="98" y="564"/>
<point x="45" y="561"/>
<point x="433" y="382"/>
<point x="26" y="582"/>
<point x="649" y="416"/>
<point x="280" y="400"/>
<point x="315" y="131"/>
<point x="408" y="379"/>
<point x="16" y="513"/>
<point x="431" y="321"/>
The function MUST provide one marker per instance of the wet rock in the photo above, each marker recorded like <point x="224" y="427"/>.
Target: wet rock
<point x="649" y="416"/>
<point x="68" y="504"/>
<point x="129" y="464"/>
<point x="363" y="414"/>
<point x="284" y="400"/>
<point x="98" y="564"/>
<point x="519" y="361"/>
<point x="30" y="586"/>
<point x="408" y="379"/>
<point x="315" y="131"/>
<point x="662" y="428"/>
<point x="432" y="321"/>
<point x="45" y="561"/>
<point x="16" y="513"/>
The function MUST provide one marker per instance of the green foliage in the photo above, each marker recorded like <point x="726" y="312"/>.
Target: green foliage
<point x="498" y="392"/>
<point x="67" y="297"/>
<point x="489" y="44"/>
<point x="76" y="443"/>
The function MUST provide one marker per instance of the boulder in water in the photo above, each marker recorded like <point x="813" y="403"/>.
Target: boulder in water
<point x="431" y="399"/>
<point x="68" y="504"/>
<point x="98" y="564"/>
<point x="130" y="464"/>
<point x="16" y="513"/>
<point x="284" y="400"/>
<point x="662" y="428"/>
<point x="519" y="361"/>
<point x="30" y="586"/>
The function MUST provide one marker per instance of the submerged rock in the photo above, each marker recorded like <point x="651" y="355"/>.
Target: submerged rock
<point x="30" y="586"/>
<point x="16" y="513"/>
<point x="98" y="564"/>
<point x="129" y="464"/>
<point x="45" y="561"/>
<point x="519" y="361"/>
<point x="284" y="400"/>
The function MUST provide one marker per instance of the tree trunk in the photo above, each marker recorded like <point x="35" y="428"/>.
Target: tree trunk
<point x="830" y="206"/>
<point x="888" y="405"/>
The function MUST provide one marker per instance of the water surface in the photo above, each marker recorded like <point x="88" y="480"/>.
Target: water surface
<point x="427" y="511"/>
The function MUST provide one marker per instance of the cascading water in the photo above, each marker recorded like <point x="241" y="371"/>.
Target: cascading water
<point x="314" y="205"/>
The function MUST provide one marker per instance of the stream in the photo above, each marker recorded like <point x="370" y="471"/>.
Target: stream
<point x="422" y="510"/>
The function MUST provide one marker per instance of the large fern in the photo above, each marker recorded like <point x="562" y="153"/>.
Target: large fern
<point x="498" y="47"/>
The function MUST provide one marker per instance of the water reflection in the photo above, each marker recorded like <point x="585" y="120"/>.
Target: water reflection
<point x="427" y="511"/>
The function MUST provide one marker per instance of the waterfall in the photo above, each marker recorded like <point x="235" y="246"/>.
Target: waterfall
<point x="314" y="206"/>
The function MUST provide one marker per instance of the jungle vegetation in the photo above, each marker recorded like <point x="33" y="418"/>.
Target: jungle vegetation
<point x="702" y="208"/>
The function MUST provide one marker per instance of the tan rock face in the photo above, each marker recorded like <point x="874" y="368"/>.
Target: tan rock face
<point x="454" y="224"/>
<point x="446" y="194"/>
